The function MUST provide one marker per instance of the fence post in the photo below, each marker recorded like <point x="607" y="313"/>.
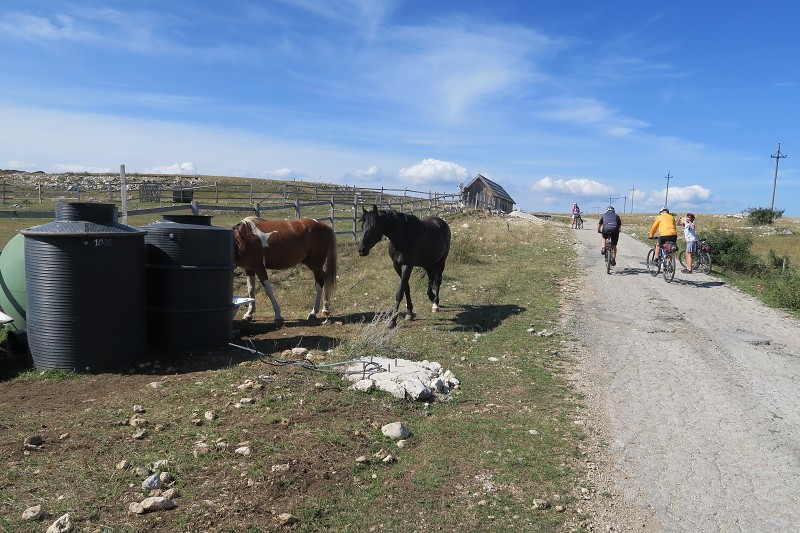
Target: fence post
<point x="39" y="188"/>
<point x="297" y="208"/>
<point x="257" y="209"/>
<point x="285" y="200"/>
<point x="216" y="192"/>
<point x="123" y="191"/>
<point x="333" y="215"/>
<point x="251" y="192"/>
<point x="355" y="217"/>
<point x="316" y="193"/>
<point x="195" y="207"/>
<point x="4" y="191"/>
<point x="110" y="192"/>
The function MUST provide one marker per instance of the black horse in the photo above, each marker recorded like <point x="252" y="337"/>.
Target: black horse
<point x="413" y="242"/>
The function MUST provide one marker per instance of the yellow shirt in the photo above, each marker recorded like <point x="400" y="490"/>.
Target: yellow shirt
<point x="665" y="224"/>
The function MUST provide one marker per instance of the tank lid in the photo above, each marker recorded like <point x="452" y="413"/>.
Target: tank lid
<point x="83" y="219"/>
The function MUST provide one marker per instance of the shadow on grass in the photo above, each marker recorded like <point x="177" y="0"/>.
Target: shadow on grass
<point x="481" y="318"/>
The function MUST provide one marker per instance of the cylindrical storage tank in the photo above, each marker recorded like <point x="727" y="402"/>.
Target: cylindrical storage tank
<point x="85" y="286"/>
<point x="12" y="281"/>
<point x="189" y="276"/>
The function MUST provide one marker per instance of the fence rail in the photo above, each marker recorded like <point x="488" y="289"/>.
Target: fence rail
<point x="244" y="198"/>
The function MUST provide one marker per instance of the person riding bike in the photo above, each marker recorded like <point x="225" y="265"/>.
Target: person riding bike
<point x="576" y="214"/>
<point x="664" y="224"/>
<point x="609" y="226"/>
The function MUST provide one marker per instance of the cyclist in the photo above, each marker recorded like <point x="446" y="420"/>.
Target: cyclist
<point x="667" y="232"/>
<point x="576" y="214"/>
<point x="609" y="226"/>
<point x="690" y="234"/>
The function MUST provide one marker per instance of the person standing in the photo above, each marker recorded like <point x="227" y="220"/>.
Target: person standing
<point x="690" y="234"/>
<point x="576" y="213"/>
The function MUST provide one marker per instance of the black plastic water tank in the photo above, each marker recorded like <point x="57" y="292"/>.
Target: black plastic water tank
<point x="85" y="281"/>
<point x="189" y="269"/>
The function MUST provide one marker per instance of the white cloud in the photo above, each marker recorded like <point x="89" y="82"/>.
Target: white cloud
<point x="81" y="168"/>
<point x="433" y="171"/>
<point x="177" y="168"/>
<point x="20" y="165"/>
<point x="589" y="111"/>
<point x="580" y="187"/>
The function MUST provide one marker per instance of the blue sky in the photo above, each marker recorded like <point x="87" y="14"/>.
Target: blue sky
<point x="559" y="102"/>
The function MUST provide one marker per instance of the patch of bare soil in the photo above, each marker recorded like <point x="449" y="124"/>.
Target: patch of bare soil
<point x="83" y="421"/>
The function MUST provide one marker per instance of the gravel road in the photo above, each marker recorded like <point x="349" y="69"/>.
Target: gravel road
<point x="693" y="393"/>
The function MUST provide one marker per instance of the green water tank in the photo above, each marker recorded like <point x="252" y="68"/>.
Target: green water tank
<point x="12" y="281"/>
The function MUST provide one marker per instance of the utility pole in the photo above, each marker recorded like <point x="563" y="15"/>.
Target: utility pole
<point x="633" y="190"/>
<point x="666" y="195"/>
<point x="777" y="158"/>
<point x="625" y="205"/>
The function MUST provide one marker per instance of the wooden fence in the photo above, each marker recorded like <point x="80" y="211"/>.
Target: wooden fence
<point x="294" y="197"/>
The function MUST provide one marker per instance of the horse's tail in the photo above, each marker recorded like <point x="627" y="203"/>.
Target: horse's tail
<point x="331" y="266"/>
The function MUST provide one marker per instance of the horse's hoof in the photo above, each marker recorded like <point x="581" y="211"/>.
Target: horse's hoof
<point x="410" y="316"/>
<point x="247" y="318"/>
<point x="324" y="314"/>
<point x="434" y="308"/>
<point x="278" y="321"/>
<point x="392" y="324"/>
<point x="311" y="316"/>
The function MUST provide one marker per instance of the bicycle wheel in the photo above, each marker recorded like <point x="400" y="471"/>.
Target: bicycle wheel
<point x="608" y="257"/>
<point x="669" y="268"/>
<point x="682" y="258"/>
<point x="652" y="268"/>
<point x="580" y="223"/>
<point x="704" y="262"/>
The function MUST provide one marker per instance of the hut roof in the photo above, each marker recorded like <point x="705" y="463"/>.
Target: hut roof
<point x="496" y="189"/>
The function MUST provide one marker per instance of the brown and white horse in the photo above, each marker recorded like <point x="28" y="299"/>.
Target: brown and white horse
<point x="261" y="244"/>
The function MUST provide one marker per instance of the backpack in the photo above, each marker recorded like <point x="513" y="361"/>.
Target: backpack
<point x="670" y="247"/>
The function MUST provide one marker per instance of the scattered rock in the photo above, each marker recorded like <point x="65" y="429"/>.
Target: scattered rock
<point x="33" y="442"/>
<point x="157" y="503"/>
<point x="136" y="508"/>
<point x="62" y="525"/>
<point x="64" y="436"/>
<point x="141" y="471"/>
<point x="286" y="519"/>
<point x="166" y="478"/>
<point x="33" y="513"/>
<point x="152" y="482"/>
<point x="396" y="430"/>
<point x="138" y="409"/>
<point x="171" y="494"/>
<point x="389" y="459"/>
<point x="244" y="450"/>
<point x="122" y="465"/>
<point x="247" y="401"/>
<point x="156" y="384"/>
<point x="541" y="504"/>
<point x="280" y="468"/>
<point x="139" y="435"/>
<point x="210" y="415"/>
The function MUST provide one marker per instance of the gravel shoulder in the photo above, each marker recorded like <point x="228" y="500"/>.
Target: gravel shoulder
<point x="692" y="391"/>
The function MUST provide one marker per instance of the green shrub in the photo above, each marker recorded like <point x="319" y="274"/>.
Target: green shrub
<point x="463" y="249"/>
<point x="732" y="250"/>
<point x="759" y="216"/>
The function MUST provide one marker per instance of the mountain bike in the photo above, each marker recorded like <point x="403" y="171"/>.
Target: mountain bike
<point x="607" y="255"/>
<point x="578" y="222"/>
<point x="702" y="258"/>
<point x="666" y="263"/>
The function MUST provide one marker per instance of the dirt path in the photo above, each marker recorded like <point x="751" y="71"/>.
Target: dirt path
<point x="694" y="391"/>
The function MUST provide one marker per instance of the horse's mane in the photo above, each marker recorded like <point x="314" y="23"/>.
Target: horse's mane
<point x="399" y="216"/>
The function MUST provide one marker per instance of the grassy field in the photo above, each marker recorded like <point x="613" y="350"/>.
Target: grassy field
<point x="483" y="461"/>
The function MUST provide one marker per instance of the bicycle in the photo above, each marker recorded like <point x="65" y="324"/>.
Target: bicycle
<point x="578" y="222"/>
<point x="666" y="263"/>
<point x="607" y="254"/>
<point x="702" y="258"/>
